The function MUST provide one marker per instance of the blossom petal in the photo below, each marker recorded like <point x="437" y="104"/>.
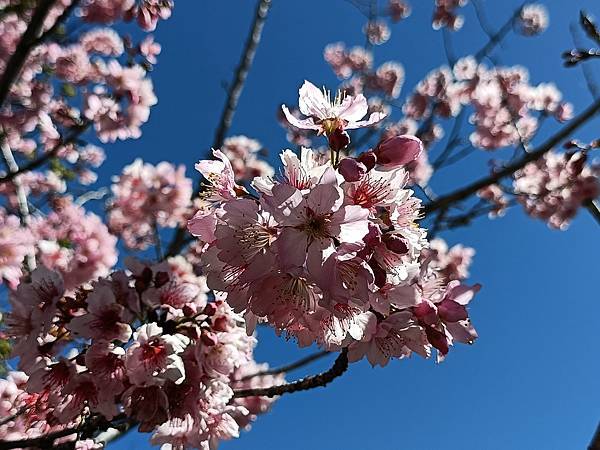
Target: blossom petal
<point x="352" y="109"/>
<point x="312" y="102"/>
<point x="373" y="119"/>
<point x="304" y="124"/>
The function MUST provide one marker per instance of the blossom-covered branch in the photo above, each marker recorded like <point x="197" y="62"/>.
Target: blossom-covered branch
<point x="452" y="198"/>
<point x="233" y="95"/>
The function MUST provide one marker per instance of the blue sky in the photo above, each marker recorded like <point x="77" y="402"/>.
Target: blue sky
<point x="531" y="380"/>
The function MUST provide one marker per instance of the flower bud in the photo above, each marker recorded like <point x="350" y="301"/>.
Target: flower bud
<point x="208" y="338"/>
<point x="369" y="159"/>
<point x="210" y="309"/>
<point x="398" y="150"/>
<point x="351" y="169"/>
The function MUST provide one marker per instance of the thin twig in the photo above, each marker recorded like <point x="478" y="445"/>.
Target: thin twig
<point x="22" y="202"/>
<point x="585" y="68"/>
<point x="45" y="441"/>
<point x="157" y="243"/>
<point x="27" y="42"/>
<point x="241" y="73"/>
<point x="463" y="193"/>
<point x="289" y="367"/>
<point x="75" y="133"/>
<point x="59" y="21"/>
<point x="593" y="206"/>
<point x="339" y="367"/>
<point x="233" y="96"/>
<point x="498" y="37"/>
<point x="595" y="444"/>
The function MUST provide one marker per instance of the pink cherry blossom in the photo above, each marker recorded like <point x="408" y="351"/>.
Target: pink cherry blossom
<point x="146" y="196"/>
<point x="16" y="243"/>
<point x="325" y="115"/>
<point x="533" y="19"/>
<point x="74" y="242"/>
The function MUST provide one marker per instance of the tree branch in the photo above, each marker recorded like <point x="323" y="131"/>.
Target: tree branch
<point x="339" y="367"/>
<point x="78" y="131"/>
<point x="45" y="441"/>
<point x="289" y="367"/>
<point x="59" y="21"/>
<point x="446" y="200"/>
<point x="595" y="444"/>
<point x="594" y="208"/>
<point x="499" y="35"/>
<point x="241" y="73"/>
<point x="22" y="202"/>
<point x="27" y="42"/>
<point x="233" y="96"/>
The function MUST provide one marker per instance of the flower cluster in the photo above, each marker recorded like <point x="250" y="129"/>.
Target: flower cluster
<point x="15" y="243"/>
<point x="329" y="252"/>
<point x="450" y="263"/>
<point x="95" y="79"/>
<point x="506" y="107"/>
<point x="243" y="154"/>
<point x="146" y="196"/>
<point x="533" y="19"/>
<point x="398" y="10"/>
<point x="555" y="186"/>
<point x="142" y="346"/>
<point x="356" y="66"/>
<point x="74" y="242"/>
<point x="444" y="14"/>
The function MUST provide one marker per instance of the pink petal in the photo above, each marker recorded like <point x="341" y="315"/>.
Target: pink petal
<point x="353" y="109"/>
<point x="305" y="124"/>
<point x="324" y="199"/>
<point x="312" y="102"/>
<point x="373" y="119"/>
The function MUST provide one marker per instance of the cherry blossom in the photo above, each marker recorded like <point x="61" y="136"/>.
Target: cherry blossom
<point x="325" y="115"/>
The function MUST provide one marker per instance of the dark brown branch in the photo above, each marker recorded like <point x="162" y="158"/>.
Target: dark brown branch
<point x="289" y="367"/>
<point x="45" y="441"/>
<point x="339" y="367"/>
<point x="75" y="133"/>
<point x="233" y="95"/>
<point x="446" y="200"/>
<point x="594" y="208"/>
<point x="595" y="444"/>
<point x="59" y="21"/>
<point x="26" y="44"/>
<point x="241" y="73"/>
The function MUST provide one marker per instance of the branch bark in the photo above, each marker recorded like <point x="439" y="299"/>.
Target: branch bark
<point x="595" y="444"/>
<point x="445" y="201"/>
<point x="22" y="202"/>
<point x="78" y="131"/>
<point x="28" y="41"/>
<point x="241" y="72"/>
<point x="288" y="367"/>
<point x="339" y="367"/>
<point x="233" y="96"/>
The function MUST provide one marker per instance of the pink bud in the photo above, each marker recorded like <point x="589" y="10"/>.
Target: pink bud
<point x="220" y="324"/>
<point x="209" y="339"/>
<point x="210" y="309"/>
<point x="351" y="169"/>
<point x="398" y="150"/>
<point x="450" y="311"/>
<point x="369" y="159"/>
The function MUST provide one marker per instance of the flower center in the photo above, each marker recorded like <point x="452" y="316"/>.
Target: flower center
<point x="316" y="226"/>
